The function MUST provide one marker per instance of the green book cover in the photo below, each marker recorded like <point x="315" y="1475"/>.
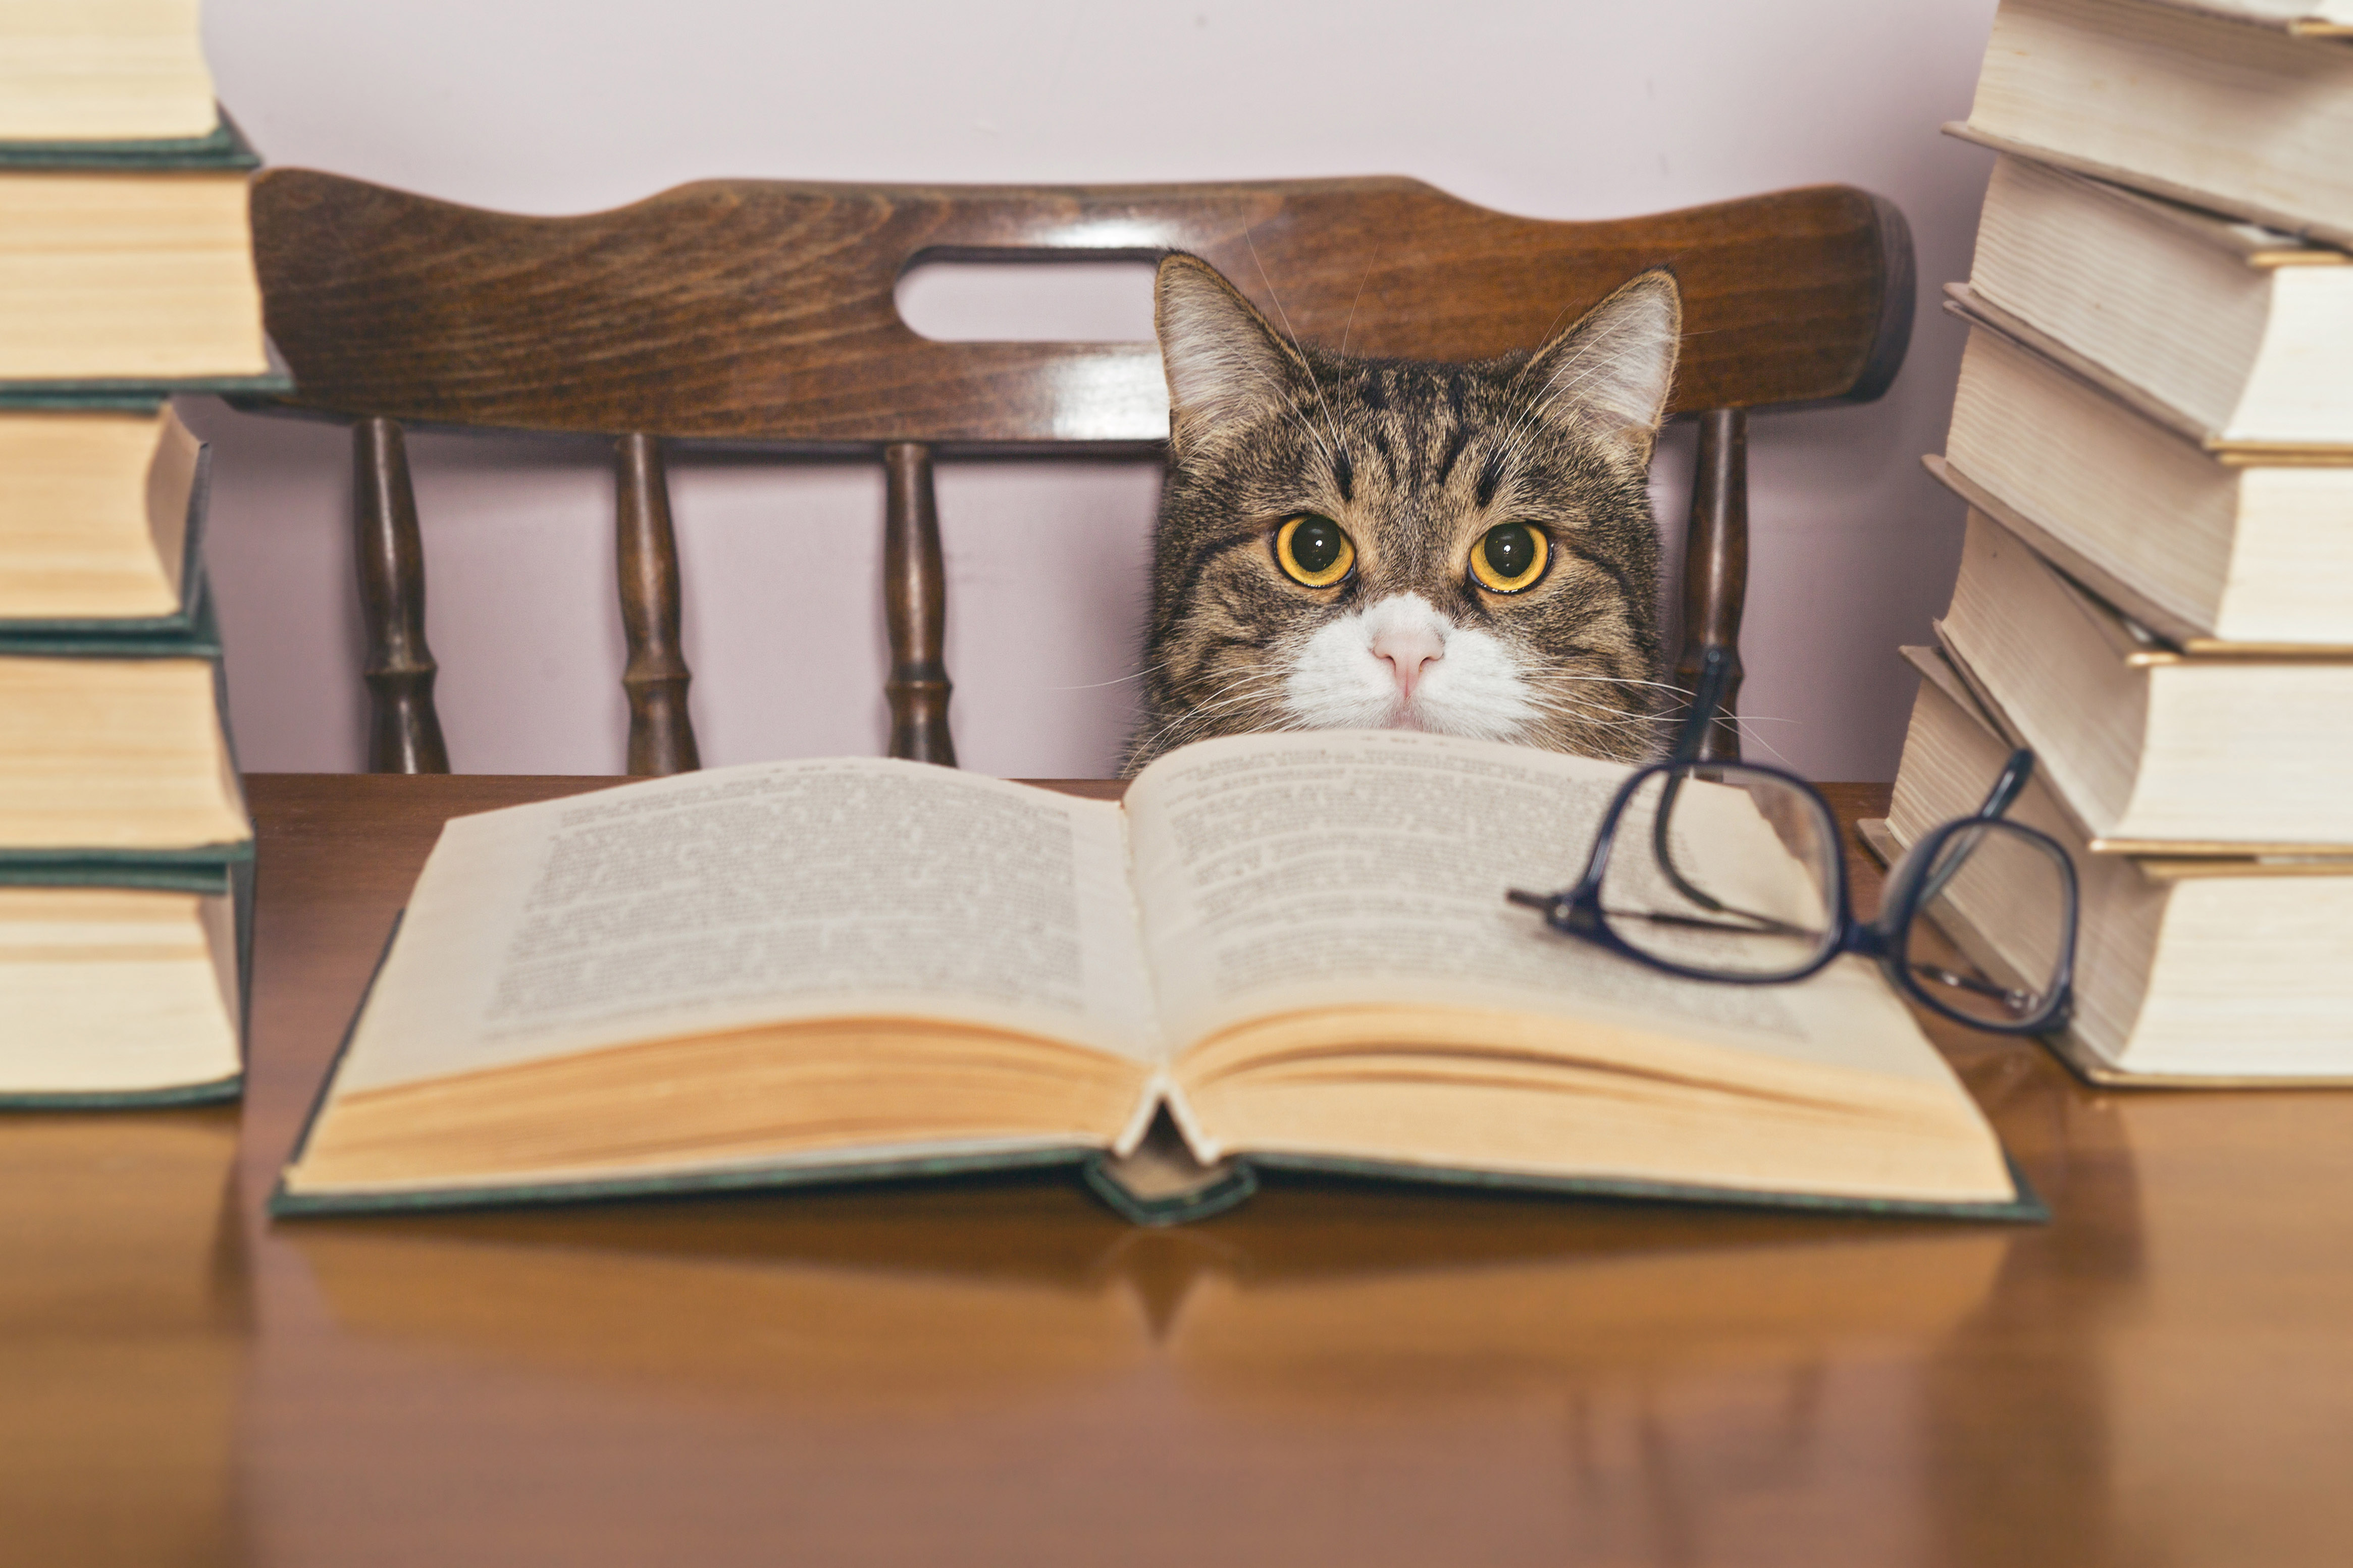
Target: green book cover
<point x="225" y="148"/>
<point x="138" y="394"/>
<point x="197" y="637"/>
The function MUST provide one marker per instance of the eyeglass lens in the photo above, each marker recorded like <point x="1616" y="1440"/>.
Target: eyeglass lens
<point x="1724" y="871"/>
<point x="1989" y="937"/>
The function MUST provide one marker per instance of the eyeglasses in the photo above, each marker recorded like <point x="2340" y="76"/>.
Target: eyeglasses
<point x="1731" y="872"/>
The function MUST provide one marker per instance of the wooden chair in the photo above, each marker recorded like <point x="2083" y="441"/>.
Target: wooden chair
<point x="762" y="312"/>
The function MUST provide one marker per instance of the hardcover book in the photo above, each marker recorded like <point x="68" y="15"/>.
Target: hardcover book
<point x="1280" y="951"/>
<point x="101" y="524"/>
<point x="2231" y="333"/>
<point x="2189" y="969"/>
<point x="2183" y="102"/>
<point x="118" y="747"/>
<point x="2156" y="750"/>
<point x="129" y="273"/>
<point x="2238" y="548"/>
<point x="124" y="983"/>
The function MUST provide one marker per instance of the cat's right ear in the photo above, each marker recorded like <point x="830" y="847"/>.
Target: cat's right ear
<point x="1225" y="362"/>
<point x="1610" y="374"/>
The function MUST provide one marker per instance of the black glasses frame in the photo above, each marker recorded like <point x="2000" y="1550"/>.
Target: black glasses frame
<point x="1916" y="879"/>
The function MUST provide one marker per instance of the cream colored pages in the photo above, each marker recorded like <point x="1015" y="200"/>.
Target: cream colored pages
<point x="102" y="71"/>
<point x="777" y="891"/>
<point x="1286" y="873"/>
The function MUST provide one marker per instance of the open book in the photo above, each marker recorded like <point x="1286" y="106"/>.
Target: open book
<point x="1296" y="946"/>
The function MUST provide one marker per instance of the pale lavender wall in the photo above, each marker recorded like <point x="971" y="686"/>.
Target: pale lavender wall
<point x="1556" y="108"/>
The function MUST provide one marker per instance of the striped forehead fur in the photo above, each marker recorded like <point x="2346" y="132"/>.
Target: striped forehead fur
<point x="1415" y="460"/>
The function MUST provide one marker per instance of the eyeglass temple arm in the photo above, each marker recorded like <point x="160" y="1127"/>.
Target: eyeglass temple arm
<point x="2015" y="774"/>
<point x="1707" y="694"/>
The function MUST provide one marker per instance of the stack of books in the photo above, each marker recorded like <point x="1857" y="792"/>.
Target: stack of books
<point x="126" y="276"/>
<point x="2154" y="433"/>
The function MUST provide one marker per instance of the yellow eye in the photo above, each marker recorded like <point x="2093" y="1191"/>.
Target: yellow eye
<point x="1313" y="551"/>
<point x="1510" y="557"/>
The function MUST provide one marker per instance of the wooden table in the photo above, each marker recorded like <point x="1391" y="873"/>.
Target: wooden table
<point x="1006" y="1373"/>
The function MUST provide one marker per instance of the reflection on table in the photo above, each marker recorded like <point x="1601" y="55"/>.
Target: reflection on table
<point x="1004" y="1373"/>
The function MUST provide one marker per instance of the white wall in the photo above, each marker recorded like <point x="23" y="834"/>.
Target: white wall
<point x="1554" y="108"/>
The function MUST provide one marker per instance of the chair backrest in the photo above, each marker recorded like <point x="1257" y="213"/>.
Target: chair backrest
<point x="764" y="312"/>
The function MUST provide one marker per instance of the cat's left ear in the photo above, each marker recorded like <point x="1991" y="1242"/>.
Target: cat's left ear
<point x="1610" y="373"/>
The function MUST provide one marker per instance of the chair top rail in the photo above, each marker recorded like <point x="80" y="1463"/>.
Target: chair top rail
<point x="764" y="311"/>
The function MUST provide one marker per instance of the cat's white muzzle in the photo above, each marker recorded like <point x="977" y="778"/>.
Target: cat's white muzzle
<point x="1402" y="665"/>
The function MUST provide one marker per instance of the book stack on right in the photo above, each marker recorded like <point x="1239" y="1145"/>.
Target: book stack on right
<point x="126" y="277"/>
<point x="2153" y="430"/>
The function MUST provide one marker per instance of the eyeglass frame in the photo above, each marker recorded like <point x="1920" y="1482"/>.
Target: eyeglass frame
<point x="1577" y="912"/>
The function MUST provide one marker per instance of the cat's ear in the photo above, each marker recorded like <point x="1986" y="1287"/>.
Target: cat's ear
<point x="1610" y="374"/>
<point x="1225" y="362"/>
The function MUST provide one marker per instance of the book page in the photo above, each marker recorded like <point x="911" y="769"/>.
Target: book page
<point x="777" y="891"/>
<point x="1348" y="869"/>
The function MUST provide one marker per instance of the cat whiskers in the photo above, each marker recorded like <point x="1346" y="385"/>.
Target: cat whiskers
<point x="1330" y="420"/>
<point x="1349" y="325"/>
<point x="1198" y="717"/>
<point x="1115" y="680"/>
<point x="1739" y="727"/>
<point x="1304" y="423"/>
<point x="1601" y="718"/>
<point x="1555" y="696"/>
<point x="1661" y="725"/>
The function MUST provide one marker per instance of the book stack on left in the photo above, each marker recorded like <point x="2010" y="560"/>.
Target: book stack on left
<point x="126" y="276"/>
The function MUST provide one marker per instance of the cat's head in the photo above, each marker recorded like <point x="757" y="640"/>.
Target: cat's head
<point x="1349" y="543"/>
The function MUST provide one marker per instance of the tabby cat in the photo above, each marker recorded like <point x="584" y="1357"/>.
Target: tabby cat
<point x="1352" y="542"/>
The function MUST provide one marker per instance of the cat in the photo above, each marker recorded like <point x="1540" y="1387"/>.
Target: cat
<point x="1355" y="542"/>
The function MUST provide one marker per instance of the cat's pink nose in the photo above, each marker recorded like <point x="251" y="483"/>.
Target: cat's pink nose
<point x="1409" y="652"/>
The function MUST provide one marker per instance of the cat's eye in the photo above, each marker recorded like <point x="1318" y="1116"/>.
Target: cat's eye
<point x="1510" y="557"/>
<point x="1314" y="550"/>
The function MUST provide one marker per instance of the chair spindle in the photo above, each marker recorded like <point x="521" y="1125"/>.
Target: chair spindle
<point x="661" y="731"/>
<point x="1715" y="568"/>
<point x="914" y="600"/>
<point x="403" y="731"/>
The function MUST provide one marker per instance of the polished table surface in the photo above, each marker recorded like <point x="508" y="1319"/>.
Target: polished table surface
<point x="1004" y="1373"/>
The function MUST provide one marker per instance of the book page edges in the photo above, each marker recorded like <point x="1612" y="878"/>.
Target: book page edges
<point x="223" y="884"/>
<point x="1964" y="304"/>
<point x="864" y="1088"/>
<point x="294" y="1197"/>
<point x="176" y="494"/>
<point x="2184" y="638"/>
<point x="2253" y="245"/>
<point x="2084" y="1059"/>
<point x="2279" y="219"/>
<point x="1608" y="1075"/>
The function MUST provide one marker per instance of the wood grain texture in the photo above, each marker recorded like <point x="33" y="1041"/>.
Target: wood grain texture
<point x="404" y="728"/>
<point x="1715" y="569"/>
<point x="1002" y="1372"/>
<point x="915" y="604"/>
<point x="661" y="733"/>
<point x="763" y="311"/>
